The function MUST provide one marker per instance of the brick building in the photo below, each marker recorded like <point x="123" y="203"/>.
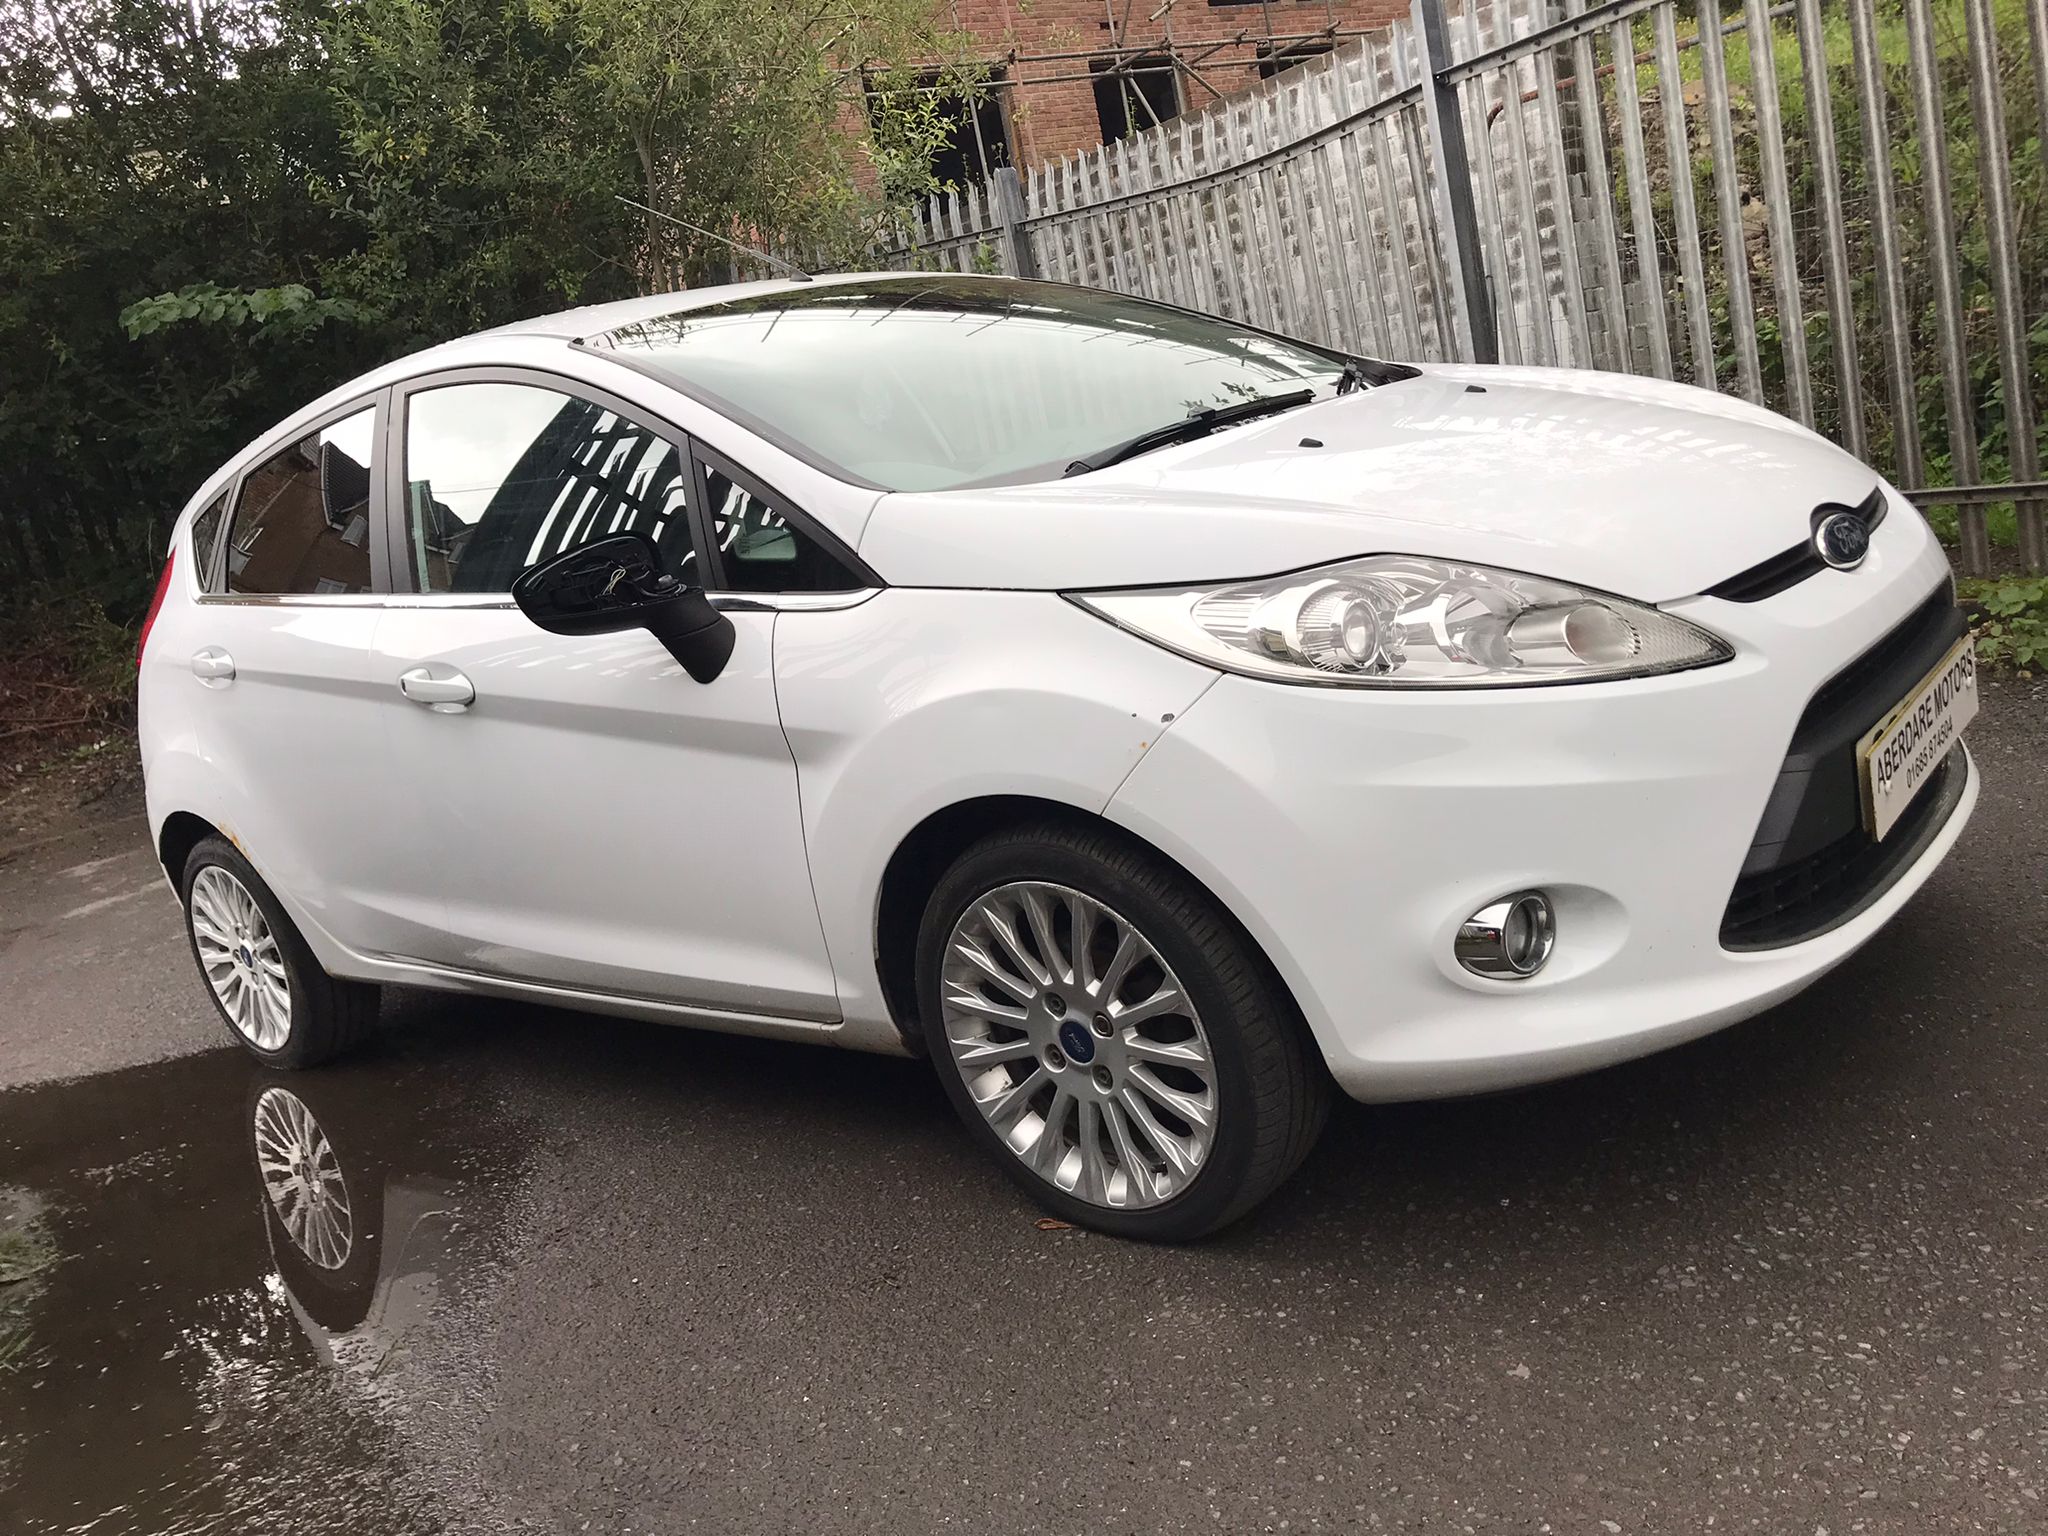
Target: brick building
<point x="1069" y="74"/>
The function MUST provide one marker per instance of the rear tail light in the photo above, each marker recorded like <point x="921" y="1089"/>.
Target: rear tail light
<point x="163" y="585"/>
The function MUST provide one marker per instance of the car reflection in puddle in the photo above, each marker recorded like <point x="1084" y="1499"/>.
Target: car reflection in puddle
<point x="359" y="1246"/>
<point x="250" y="1278"/>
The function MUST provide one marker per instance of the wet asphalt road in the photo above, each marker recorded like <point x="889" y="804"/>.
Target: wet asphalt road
<point x="616" y="1277"/>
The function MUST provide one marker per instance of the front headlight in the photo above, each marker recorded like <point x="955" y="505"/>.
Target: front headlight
<point x="1396" y="621"/>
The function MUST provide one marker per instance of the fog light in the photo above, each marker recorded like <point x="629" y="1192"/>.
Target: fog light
<point x="1508" y="939"/>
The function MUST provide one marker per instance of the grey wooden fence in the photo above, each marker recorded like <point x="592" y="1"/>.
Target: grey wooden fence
<point x="1861" y="245"/>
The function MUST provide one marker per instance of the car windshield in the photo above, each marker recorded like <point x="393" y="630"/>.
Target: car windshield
<point x="931" y="383"/>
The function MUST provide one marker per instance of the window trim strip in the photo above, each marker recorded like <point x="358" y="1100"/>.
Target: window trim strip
<point x="725" y="602"/>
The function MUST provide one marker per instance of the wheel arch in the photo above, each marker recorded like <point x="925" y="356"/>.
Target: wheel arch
<point x="184" y="829"/>
<point x="930" y="848"/>
<point x="181" y="832"/>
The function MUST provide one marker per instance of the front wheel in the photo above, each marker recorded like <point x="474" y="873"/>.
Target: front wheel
<point x="271" y="992"/>
<point x="1111" y="1036"/>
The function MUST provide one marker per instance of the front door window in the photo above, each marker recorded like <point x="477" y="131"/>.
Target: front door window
<point x="499" y="477"/>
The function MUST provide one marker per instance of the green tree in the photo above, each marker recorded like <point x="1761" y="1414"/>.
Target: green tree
<point x="740" y="116"/>
<point x="473" y="184"/>
<point x="145" y="148"/>
<point x="213" y="210"/>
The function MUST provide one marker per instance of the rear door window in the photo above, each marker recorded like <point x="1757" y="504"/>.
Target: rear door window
<point x="501" y="476"/>
<point x="302" y="518"/>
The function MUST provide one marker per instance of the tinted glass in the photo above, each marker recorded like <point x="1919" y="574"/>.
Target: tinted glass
<point x="503" y="476"/>
<point x="205" y="530"/>
<point x="925" y="383"/>
<point x="760" y="550"/>
<point x="302" y="521"/>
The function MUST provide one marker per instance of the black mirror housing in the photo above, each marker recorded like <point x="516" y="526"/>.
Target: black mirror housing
<point x="618" y="583"/>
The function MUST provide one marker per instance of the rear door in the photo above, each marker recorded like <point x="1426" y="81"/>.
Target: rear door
<point x="584" y="814"/>
<point x="279" y="651"/>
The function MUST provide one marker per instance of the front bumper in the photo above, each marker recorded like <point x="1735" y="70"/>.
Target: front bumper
<point x="1352" y="831"/>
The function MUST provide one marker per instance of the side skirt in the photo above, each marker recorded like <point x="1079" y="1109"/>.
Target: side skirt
<point x="398" y="971"/>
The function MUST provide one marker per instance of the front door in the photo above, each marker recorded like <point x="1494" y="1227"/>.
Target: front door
<point x="585" y="815"/>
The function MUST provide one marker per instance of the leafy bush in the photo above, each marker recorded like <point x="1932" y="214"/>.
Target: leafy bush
<point x="1975" y="445"/>
<point x="2013" y="629"/>
<point x="212" y="213"/>
<point x="70" y="674"/>
<point x="287" y="310"/>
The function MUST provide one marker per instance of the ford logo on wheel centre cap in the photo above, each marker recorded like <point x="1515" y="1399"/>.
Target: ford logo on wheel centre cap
<point x="1842" y="540"/>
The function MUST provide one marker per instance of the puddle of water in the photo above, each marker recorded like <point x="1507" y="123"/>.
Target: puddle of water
<point x="241" y="1269"/>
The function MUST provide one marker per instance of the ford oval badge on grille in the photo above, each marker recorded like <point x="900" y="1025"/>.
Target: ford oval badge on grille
<point x="1842" y="540"/>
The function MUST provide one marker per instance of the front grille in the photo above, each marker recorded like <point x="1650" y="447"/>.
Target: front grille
<point x="1778" y="574"/>
<point x="1786" y="569"/>
<point x="1929" y="631"/>
<point x="1812" y="865"/>
<point x="1804" y="899"/>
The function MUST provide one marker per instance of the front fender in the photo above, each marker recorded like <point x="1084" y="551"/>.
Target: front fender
<point x="920" y="699"/>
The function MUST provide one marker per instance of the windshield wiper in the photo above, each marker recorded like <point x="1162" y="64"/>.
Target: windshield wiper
<point x="1196" y="424"/>
<point x="1358" y="372"/>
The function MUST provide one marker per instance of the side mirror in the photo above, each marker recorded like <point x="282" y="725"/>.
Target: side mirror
<point x="618" y="583"/>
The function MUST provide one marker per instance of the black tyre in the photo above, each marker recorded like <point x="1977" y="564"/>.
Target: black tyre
<point x="268" y="988"/>
<point x="1111" y="1036"/>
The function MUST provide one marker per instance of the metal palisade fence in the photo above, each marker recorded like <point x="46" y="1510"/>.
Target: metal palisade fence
<point x="1836" y="208"/>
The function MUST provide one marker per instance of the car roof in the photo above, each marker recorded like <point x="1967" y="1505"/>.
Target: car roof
<point x="593" y="319"/>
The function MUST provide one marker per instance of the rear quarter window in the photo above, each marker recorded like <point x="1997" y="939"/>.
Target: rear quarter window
<point x="206" y="528"/>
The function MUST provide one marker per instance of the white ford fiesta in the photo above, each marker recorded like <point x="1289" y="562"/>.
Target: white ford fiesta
<point x="1152" y="720"/>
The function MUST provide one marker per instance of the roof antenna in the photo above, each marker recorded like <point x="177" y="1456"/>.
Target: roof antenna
<point x="774" y="261"/>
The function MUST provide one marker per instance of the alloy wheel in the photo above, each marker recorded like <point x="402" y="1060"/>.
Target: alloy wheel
<point x="1079" y="1045"/>
<point x="303" y="1179"/>
<point x="240" y="958"/>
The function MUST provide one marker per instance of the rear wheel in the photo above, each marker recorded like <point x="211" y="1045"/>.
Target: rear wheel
<point x="1111" y="1036"/>
<point x="271" y="992"/>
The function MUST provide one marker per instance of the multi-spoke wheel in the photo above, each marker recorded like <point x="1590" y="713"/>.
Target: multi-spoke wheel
<point x="1078" y="1044"/>
<point x="264" y="980"/>
<point x="1098" y="1019"/>
<point x="323" y="1194"/>
<point x="239" y="956"/>
<point x="303" y="1179"/>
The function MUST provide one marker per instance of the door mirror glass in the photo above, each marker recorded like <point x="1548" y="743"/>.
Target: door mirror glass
<point x="617" y="584"/>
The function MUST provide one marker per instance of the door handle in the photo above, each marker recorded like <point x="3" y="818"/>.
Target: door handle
<point x="446" y="694"/>
<point x="213" y="665"/>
